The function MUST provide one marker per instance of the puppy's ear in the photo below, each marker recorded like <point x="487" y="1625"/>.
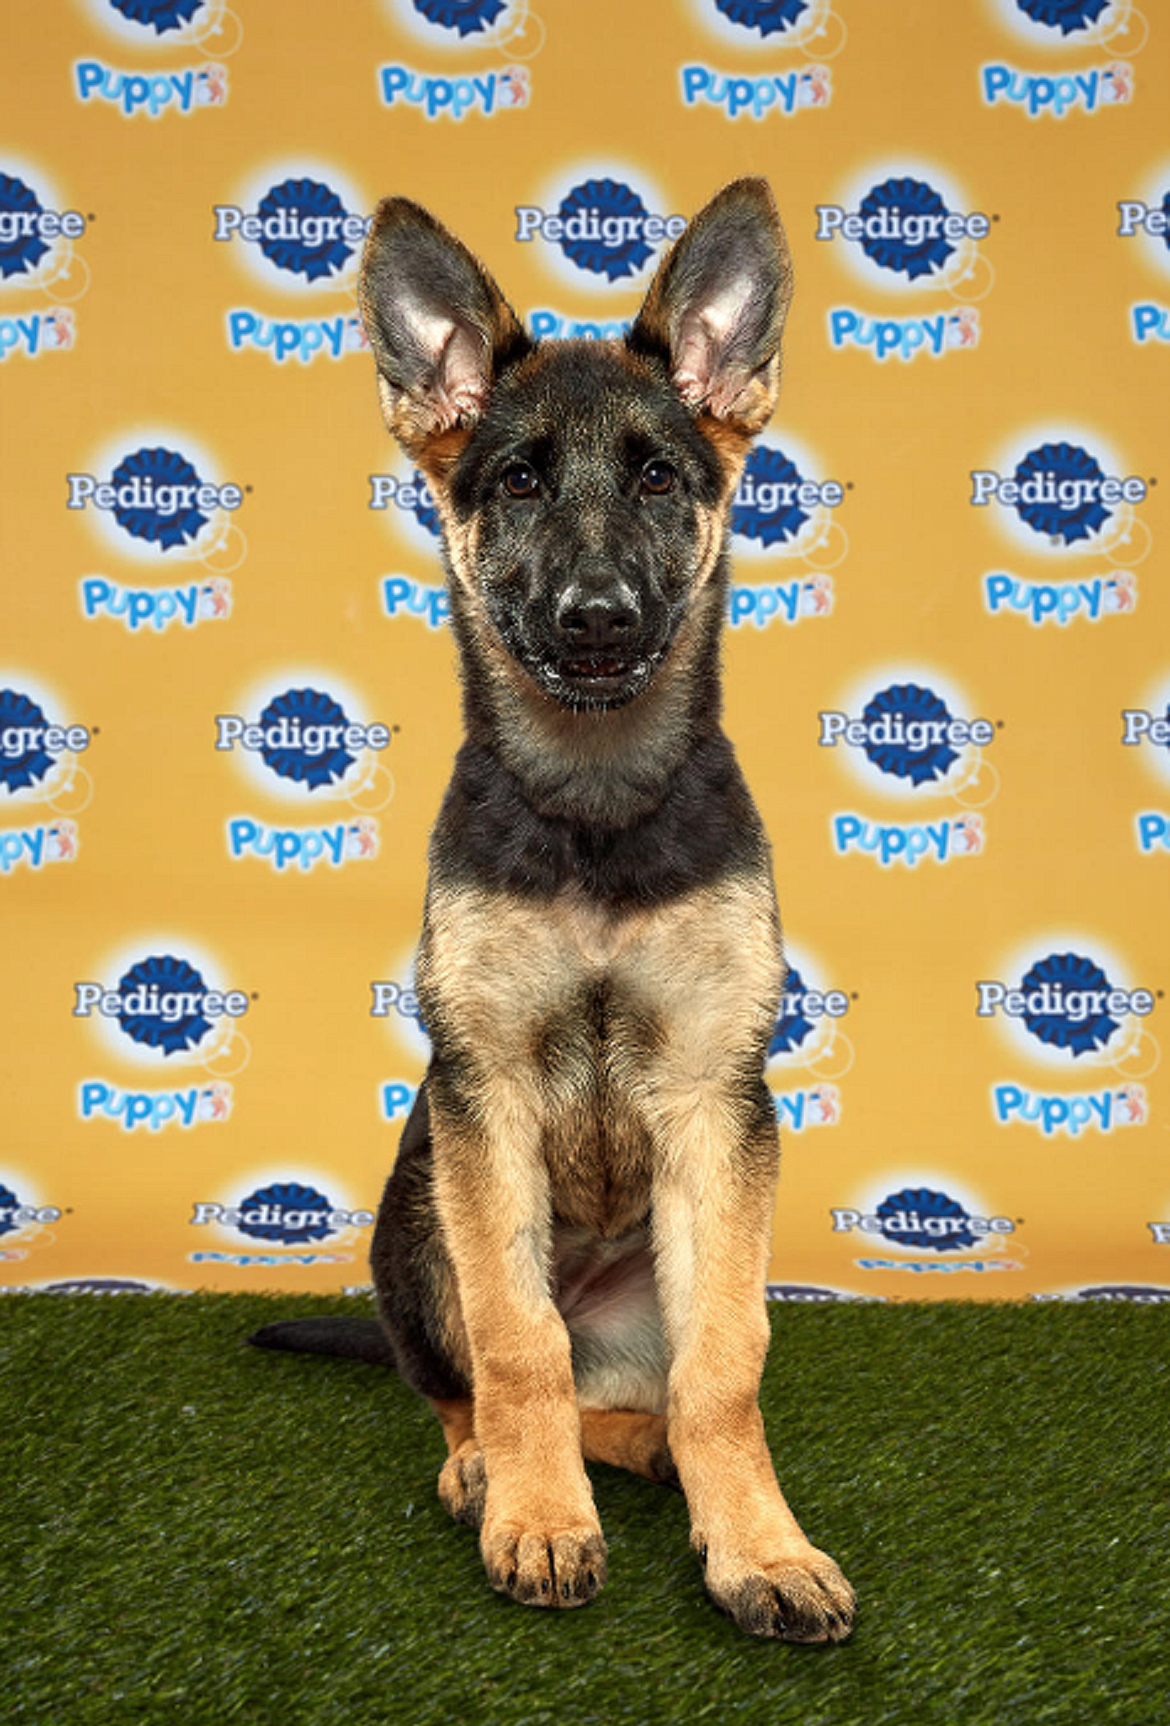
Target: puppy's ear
<point x="439" y="327"/>
<point x="715" y="310"/>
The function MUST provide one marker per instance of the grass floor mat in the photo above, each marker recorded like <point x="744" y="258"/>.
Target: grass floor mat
<point x="197" y="1532"/>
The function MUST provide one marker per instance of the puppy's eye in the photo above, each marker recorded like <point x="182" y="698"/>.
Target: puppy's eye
<point x="658" y="477"/>
<point x="520" y="480"/>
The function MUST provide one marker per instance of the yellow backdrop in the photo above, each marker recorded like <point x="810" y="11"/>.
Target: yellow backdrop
<point x="948" y="653"/>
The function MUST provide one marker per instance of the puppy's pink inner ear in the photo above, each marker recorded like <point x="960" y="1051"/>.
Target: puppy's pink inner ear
<point x="461" y="377"/>
<point x="453" y="380"/>
<point x="707" y="370"/>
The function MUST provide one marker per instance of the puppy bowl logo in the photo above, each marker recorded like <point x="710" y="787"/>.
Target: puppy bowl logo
<point x="1066" y="1002"/>
<point x="1118" y="28"/>
<point x="153" y="497"/>
<point x="163" y="1003"/>
<point x="281" y="1212"/>
<point x="771" y="25"/>
<point x="151" y="610"/>
<point x="905" y="736"/>
<point x="907" y="229"/>
<point x="507" y="29"/>
<point x="512" y="32"/>
<point x="208" y="26"/>
<point x="605" y="228"/>
<point x="780" y="513"/>
<point x="41" y="762"/>
<point x="808" y="1034"/>
<point x="929" y="1226"/>
<point x="304" y="746"/>
<point x="38" y="255"/>
<point x="1061" y="493"/>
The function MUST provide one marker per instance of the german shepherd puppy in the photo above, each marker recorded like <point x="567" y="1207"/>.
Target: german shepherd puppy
<point x="571" y="1251"/>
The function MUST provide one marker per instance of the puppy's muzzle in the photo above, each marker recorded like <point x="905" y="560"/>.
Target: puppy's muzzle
<point x="601" y="655"/>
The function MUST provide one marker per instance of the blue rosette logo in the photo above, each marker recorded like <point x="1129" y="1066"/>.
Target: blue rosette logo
<point x="1067" y="16"/>
<point x="23" y="760"/>
<point x="466" y="17"/>
<point x="9" y="1205"/>
<point x="1055" y="1017"/>
<point x="21" y="247"/>
<point x="312" y="768"/>
<point x="764" y="509"/>
<point x="769" y="17"/>
<point x="294" y="212"/>
<point x="919" y="1217"/>
<point x="891" y="749"/>
<point x="293" y="1213"/>
<point x="594" y="203"/>
<point x="159" y="527"/>
<point x="145" y="1019"/>
<point x="792" y="1025"/>
<point x="1046" y="514"/>
<point x="892" y="250"/>
<point x="164" y="17"/>
<point x="423" y="509"/>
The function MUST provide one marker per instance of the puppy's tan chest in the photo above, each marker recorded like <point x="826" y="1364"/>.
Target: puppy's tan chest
<point x="596" y="1022"/>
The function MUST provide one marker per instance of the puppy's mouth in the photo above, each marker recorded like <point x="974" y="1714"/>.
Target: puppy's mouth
<point x="597" y="679"/>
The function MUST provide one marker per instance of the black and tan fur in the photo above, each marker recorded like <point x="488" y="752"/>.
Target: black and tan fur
<point x="571" y="1251"/>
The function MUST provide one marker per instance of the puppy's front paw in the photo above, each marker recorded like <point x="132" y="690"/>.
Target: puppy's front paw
<point x="554" y="1567"/>
<point x="798" y="1595"/>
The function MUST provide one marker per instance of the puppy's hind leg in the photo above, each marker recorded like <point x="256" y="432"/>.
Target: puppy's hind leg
<point x="463" y="1477"/>
<point x="625" y="1438"/>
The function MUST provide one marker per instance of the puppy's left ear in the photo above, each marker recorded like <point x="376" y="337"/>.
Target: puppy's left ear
<point x="715" y="310"/>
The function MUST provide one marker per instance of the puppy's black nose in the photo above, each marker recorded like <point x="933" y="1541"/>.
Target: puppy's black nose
<point x="595" y="622"/>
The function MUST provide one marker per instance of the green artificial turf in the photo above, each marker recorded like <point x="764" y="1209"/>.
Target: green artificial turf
<point x="198" y="1532"/>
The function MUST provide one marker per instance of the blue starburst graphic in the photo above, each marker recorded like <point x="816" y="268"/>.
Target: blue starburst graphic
<point x="171" y="976"/>
<point x="160" y="16"/>
<point x="1064" y="461"/>
<point x="8" y="1204"/>
<point x="424" y="511"/>
<point x="289" y="1196"/>
<point x="769" y="17"/>
<point x="19" y="771"/>
<point x="1067" y="16"/>
<point x="779" y="524"/>
<point x="305" y="198"/>
<point x="1068" y="972"/>
<point x="927" y="1204"/>
<point x="310" y="707"/>
<point x="607" y="198"/>
<point x="21" y="255"/>
<point x="909" y="702"/>
<point x="162" y="467"/>
<point x="912" y="198"/>
<point x="468" y="17"/>
<point x="791" y="1027"/>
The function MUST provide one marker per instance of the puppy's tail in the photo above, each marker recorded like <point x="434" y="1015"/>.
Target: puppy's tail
<point x="349" y="1338"/>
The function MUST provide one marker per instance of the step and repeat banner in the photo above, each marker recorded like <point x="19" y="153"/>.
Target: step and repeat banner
<point x="228" y="701"/>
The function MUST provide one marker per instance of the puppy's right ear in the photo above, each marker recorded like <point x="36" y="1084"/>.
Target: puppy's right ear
<point x="440" y="329"/>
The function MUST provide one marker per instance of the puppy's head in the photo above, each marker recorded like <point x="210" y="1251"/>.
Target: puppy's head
<point x="583" y="487"/>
